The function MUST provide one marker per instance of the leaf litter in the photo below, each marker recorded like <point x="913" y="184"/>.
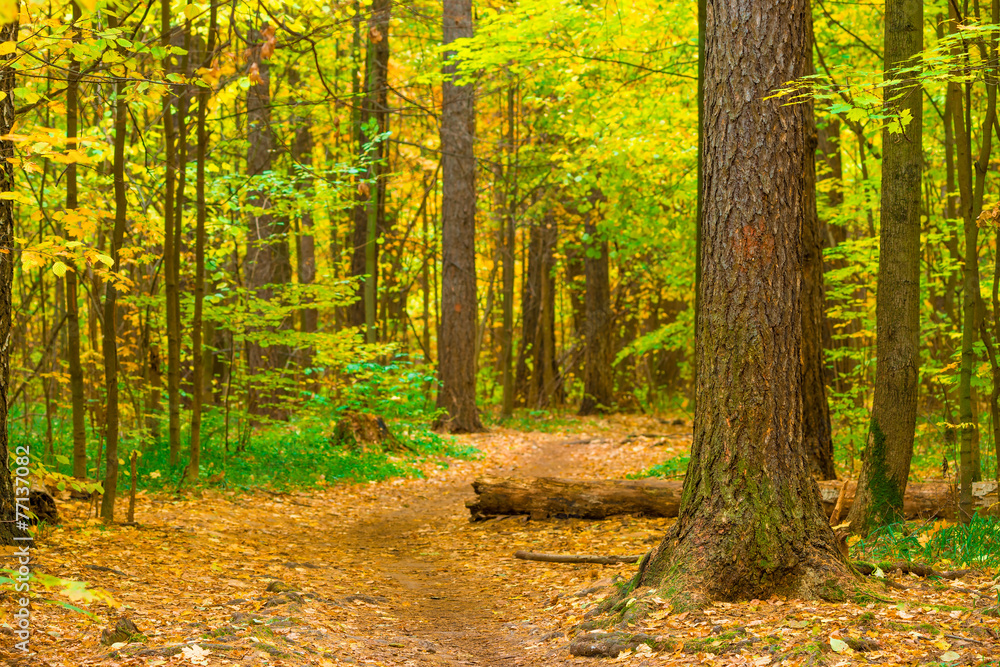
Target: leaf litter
<point x="393" y="573"/>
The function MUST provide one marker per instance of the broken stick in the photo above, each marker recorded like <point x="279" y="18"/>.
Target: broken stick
<point x="565" y="558"/>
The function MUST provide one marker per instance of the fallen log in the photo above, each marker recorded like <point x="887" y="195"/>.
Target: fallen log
<point x="545" y="497"/>
<point x="565" y="558"/>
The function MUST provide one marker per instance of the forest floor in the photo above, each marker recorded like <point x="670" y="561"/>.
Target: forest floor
<point x="393" y="573"/>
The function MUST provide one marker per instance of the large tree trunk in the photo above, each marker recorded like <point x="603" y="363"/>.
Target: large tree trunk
<point x="545" y="497"/>
<point x="598" y="351"/>
<point x="816" y="431"/>
<point x="267" y="261"/>
<point x="750" y="523"/>
<point x="886" y="465"/>
<point x="457" y="333"/>
<point x="9" y="530"/>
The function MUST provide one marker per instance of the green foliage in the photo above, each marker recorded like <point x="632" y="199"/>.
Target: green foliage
<point x="672" y="468"/>
<point x="398" y="389"/>
<point x="298" y="454"/>
<point x="76" y="591"/>
<point x="973" y="545"/>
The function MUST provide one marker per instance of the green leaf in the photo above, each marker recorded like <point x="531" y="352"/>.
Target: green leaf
<point x="857" y="115"/>
<point x="838" y="645"/>
<point x="59" y="269"/>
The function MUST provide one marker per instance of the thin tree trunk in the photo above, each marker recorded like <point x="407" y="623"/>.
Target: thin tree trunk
<point x="971" y="193"/>
<point x="508" y="245"/>
<point x="201" y="207"/>
<point x="10" y="532"/>
<point x="171" y="255"/>
<point x="598" y="375"/>
<point x="457" y="333"/>
<point x="110" y="346"/>
<point x="886" y="465"/>
<point x="302" y="155"/>
<point x="72" y="280"/>
<point x="369" y="211"/>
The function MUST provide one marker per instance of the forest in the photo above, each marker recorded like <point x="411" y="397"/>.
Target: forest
<point x="513" y="332"/>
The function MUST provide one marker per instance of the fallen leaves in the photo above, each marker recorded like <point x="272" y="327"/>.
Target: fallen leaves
<point x="394" y="574"/>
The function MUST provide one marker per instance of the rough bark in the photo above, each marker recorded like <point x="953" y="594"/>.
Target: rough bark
<point x="547" y="497"/>
<point x="267" y="262"/>
<point x="816" y="431"/>
<point x="598" y="350"/>
<point x="886" y="465"/>
<point x="750" y="522"/>
<point x="457" y="332"/>
<point x="8" y="529"/>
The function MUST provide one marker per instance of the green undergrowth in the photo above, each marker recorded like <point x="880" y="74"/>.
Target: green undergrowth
<point x="280" y="456"/>
<point x="939" y="544"/>
<point x="670" y="469"/>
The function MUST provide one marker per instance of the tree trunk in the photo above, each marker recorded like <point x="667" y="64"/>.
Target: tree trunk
<point x="197" y="353"/>
<point x="9" y="530"/>
<point x="816" y="431"/>
<point x="972" y="206"/>
<point x="750" y="524"/>
<point x="598" y="354"/>
<point x="886" y="465"/>
<point x="171" y="255"/>
<point x="369" y="211"/>
<point x="302" y="154"/>
<point x="508" y="245"/>
<point x="267" y="259"/>
<point x="110" y="341"/>
<point x="457" y="333"/>
<point x="547" y="497"/>
<point x="531" y="301"/>
<point x="72" y="279"/>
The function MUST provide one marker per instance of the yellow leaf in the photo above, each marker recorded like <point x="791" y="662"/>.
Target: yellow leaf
<point x="7" y="47"/>
<point x="8" y="11"/>
<point x="942" y="644"/>
<point x="90" y="5"/>
<point x="59" y="269"/>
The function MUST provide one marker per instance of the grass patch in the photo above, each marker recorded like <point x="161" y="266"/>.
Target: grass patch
<point x="281" y="456"/>
<point x="669" y="469"/>
<point x="975" y="545"/>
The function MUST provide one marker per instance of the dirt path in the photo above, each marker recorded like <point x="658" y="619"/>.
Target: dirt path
<point x="446" y="614"/>
<point x="389" y="573"/>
